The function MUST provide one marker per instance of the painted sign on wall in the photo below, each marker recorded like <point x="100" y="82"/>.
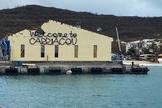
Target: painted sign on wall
<point x="52" y="38"/>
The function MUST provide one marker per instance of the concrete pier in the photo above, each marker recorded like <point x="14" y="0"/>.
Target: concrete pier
<point x="73" y="68"/>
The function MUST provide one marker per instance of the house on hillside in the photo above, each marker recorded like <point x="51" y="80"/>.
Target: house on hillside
<point x="55" y="41"/>
<point x="129" y="45"/>
<point x="143" y="46"/>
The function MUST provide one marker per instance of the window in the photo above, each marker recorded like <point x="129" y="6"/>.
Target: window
<point x="76" y="51"/>
<point x="42" y="50"/>
<point x="22" y="50"/>
<point x="56" y="50"/>
<point x="95" y="51"/>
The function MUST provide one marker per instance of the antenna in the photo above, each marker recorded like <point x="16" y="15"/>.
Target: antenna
<point x="119" y="46"/>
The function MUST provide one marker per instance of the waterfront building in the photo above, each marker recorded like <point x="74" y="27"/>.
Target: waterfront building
<point x="55" y="41"/>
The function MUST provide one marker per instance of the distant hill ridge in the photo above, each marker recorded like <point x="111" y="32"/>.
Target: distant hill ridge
<point x="130" y="28"/>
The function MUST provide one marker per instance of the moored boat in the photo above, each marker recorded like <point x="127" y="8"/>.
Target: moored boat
<point x="160" y="58"/>
<point x="146" y="56"/>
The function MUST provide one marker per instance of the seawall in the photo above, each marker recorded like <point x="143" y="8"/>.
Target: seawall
<point x="72" y="68"/>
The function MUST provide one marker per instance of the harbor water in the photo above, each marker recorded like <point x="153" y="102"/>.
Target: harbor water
<point x="82" y="91"/>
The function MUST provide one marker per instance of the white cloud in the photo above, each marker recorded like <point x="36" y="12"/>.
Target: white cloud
<point x="114" y="7"/>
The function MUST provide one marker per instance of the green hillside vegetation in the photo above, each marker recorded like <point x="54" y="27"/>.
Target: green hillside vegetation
<point x="130" y="28"/>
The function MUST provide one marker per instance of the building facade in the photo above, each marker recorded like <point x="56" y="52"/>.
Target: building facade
<point x="55" y="41"/>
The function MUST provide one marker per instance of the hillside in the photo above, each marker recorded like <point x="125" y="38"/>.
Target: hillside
<point x="130" y="28"/>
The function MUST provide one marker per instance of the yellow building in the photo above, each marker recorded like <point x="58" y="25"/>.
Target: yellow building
<point x="55" y="41"/>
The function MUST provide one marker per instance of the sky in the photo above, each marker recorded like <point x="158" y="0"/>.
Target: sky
<point x="143" y="8"/>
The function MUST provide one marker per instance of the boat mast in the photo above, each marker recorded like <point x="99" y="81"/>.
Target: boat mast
<point x="119" y="46"/>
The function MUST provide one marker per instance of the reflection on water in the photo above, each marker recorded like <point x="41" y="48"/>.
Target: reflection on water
<point x="82" y="91"/>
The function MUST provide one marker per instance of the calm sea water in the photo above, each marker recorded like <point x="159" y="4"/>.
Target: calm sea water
<point x="82" y="91"/>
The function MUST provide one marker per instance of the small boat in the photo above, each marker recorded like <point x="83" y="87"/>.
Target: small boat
<point x="160" y="58"/>
<point x="146" y="56"/>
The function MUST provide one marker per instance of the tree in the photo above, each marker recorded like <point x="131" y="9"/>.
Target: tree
<point x="131" y="51"/>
